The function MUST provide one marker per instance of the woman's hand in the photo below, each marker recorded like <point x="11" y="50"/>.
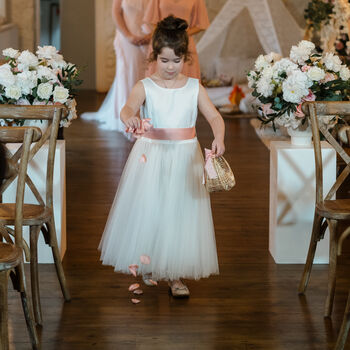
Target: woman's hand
<point x="218" y="147"/>
<point x="133" y="122"/>
<point x="136" y="40"/>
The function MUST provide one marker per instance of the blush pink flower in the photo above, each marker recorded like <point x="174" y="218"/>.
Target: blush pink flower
<point x="266" y="109"/>
<point x="299" y="113"/>
<point x="305" y="68"/>
<point x="310" y="97"/>
<point x="329" y="77"/>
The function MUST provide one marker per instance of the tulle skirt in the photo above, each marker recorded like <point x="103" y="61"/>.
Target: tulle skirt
<point x="162" y="209"/>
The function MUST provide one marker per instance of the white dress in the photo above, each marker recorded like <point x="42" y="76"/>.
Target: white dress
<point x="130" y="68"/>
<point x="161" y="208"/>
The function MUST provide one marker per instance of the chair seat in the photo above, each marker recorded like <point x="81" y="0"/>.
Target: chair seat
<point x="33" y="214"/>
<point x="338" y="209"/>
<point x="10" y="256"/>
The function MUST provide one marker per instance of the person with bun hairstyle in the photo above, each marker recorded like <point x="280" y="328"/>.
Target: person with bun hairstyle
<point x="194" y="12"/>
<point x="162" y="209"/>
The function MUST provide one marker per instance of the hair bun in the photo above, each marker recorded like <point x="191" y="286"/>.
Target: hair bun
<point x="173" y="23"/>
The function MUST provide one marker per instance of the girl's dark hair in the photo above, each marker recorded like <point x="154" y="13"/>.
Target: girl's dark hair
<point x="170" y="32"/>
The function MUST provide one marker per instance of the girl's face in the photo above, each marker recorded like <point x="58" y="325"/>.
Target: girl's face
<point x="168" y="64"/>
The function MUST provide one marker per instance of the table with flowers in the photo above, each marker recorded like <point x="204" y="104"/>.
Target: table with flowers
<point x="280" y="86"/>
<point x="44" y="78"/>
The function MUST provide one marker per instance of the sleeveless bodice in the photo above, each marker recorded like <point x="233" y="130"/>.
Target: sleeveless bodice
<point x="171" y="108"/>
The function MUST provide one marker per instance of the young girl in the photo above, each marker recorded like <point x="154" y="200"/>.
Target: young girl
<point x="162" y="208"/>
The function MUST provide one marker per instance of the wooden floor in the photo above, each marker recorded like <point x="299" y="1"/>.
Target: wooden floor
<point x="253" y="304"/>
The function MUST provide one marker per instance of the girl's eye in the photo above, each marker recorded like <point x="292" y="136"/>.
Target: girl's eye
<point x="177" y="61"/>
<point x="164" y="61"/>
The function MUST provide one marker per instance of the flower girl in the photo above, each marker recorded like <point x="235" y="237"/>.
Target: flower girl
<point x="161" y="208"/>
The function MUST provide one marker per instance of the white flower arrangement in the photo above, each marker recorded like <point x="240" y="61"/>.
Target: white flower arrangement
<point x="282" y="85"/>
<point x="41" y="79"/>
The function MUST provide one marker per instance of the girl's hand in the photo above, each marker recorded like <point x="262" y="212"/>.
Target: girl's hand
<point x="146" y="39"/>
<point x="218" y="147"/>
<point x="133" y="122"/>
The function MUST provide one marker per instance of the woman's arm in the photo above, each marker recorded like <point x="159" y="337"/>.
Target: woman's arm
<point x="128" y="114"/>
<point x="193" y="31"/>
<point x="118" y="17"/>
<point x="214" y="119"/>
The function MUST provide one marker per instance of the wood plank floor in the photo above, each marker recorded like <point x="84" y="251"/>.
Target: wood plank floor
<point x="253" y="303"/>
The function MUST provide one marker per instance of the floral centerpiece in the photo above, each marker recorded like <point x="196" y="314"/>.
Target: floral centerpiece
<point x="41" y="79"/>
<point x="281" y="85"/>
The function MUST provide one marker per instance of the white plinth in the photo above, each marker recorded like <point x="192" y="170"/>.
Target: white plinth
<point x="37" y="172"/>
<point x="292" y="200"/>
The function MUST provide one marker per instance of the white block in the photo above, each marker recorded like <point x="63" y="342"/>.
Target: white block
<point x="292" y="200"/>
<point x="37" y="172"/>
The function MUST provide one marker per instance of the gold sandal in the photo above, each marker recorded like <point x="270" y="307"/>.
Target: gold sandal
<point x="179" y="292"/>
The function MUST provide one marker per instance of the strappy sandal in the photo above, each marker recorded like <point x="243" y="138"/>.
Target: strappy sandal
<point x="179" y="292"/>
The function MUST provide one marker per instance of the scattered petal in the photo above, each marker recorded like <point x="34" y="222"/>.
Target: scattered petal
<point x="135" y="301"/>
<point x="155" y="283"/>
<point x="134" y="287"/>
<point x="133" y="269"/>
<point x="143" y="159"/>
<point x="145" y="259"/>
<point x="138" y="291"/>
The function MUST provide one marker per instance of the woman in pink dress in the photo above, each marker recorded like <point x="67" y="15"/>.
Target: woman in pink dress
<point x="195" y="14"/>
<point x="130" y="48"/>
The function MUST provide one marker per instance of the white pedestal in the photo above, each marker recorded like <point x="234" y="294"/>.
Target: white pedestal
<point x="37" y="172"/>
<point x="292" y="200"/>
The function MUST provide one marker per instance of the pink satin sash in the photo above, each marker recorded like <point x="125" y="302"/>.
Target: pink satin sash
<point x="172" y="134"/>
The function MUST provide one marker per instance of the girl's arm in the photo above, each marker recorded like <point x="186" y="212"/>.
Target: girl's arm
<point x="117" y="12"/>
<point x="128" y="114"/>
<point x="214" y="119"/>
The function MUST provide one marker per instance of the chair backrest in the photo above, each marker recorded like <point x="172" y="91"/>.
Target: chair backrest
<point x="53" y="114"/>
<point x="314" y="110"/>
<point x="18" y="168"/>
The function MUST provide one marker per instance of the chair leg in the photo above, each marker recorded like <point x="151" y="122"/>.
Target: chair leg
<point x="27" y="310"/>
<point x="4" y="341"/>
<point x="34" y="275"/>
<point x="333" y="245"/>
<point x="344" y="330"/>
<point x="57" y="259"/>
<point x="316" y="227"/>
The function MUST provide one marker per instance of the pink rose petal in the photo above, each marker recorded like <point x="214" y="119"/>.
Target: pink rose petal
<point x="133" y="269"/>
<point x="135" y="301"/>
<point x="153" y="282"/>
<point x="145" y="259"/>
<point x="138" y="291"/>
<point x="133" y="287"/>
<point x="143" y="159"/>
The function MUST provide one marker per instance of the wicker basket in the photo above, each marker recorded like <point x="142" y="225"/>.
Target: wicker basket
<point x="225" y="179"/>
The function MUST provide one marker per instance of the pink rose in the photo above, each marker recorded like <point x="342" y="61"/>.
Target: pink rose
<point x="299" y="113"/>
<point x="309" y="97"/>
<point x="329" y="77"/>
<point x="266" y="109"/>
<point x="305" y="68"/>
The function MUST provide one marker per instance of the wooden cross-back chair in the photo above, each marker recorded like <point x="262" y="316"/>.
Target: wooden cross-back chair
<point x="328" y="210"/>
<point x="39" y="217"/>
<point x="11" y="252"/>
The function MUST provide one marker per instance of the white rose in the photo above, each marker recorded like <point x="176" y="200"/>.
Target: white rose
<point x="296" y="86"/>
<point x="264" y="87"/>
<point x="47" y="73"/>
<point x="6" y="76"/>
<point x="261" y="63"/>
<point x="301" y="52"/>
<point x="9" y="52"/>
<point x="28" y="59"/>
<point x="344" y="73"/>
<point x="251" y="78"/>
<point x="57" y="61"/>
<point x="60" y="94"/>
<point x="332" y="62"/>
<point x="13" y="92"/>
<point x="316" y="73"/>
<point x="46" y="52"/>
<point x="45" y="91"/>
<point x="27" y="80"/>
